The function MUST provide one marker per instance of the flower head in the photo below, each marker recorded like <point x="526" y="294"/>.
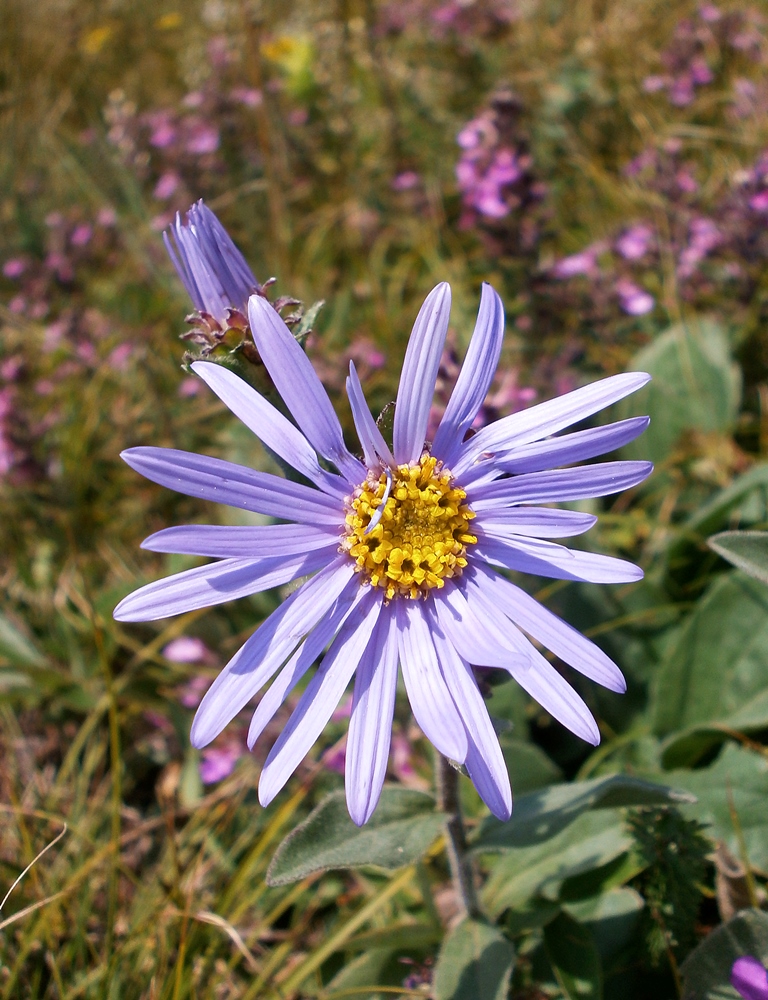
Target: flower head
<point x="405" y="546"/>
<point x="213" y="270"/>
<point x="750" y="978"/>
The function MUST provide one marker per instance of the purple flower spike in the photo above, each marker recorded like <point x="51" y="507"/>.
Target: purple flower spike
<point x="405" y="552"/>
<point x="213" y="270"/>
<point x="750" y="978"/>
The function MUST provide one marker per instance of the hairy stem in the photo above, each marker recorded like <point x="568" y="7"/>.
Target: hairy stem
<point x="462" y="872"/>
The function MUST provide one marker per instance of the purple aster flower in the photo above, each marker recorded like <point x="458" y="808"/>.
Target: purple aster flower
<point x="404" y="547"/>
<point x="750" y="978"/>
<point x="213" y="270"/>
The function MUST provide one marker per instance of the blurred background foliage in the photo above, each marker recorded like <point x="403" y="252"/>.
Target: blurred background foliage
<point x="604" y="164"/>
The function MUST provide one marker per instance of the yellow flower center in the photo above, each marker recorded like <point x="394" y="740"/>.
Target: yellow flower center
<point x="420" y="533"/>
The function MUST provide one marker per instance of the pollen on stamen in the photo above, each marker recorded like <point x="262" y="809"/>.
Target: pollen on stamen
<point x="408" y="531"/>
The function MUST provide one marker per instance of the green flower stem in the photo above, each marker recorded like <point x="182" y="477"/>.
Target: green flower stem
<point x="462" y="869"/>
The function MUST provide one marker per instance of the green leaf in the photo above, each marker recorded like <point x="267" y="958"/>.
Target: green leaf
<point x="611" y="918"/>
<point x="573" y="955"/>
<point x="529" y="767"/>
<point x="475" y="961"/>
<point x="696" y="386"/>
<point x="399" y="832"/>
<point x="17" y="647"/>
<point x="736" y="784"/>
<point x="543" y="814"/>
<point x="719" y="662"/>
<point x="747" y="550"/>
<point x="686" y="748"/>
<point x="726" y="505"/>
<point x="589" y="842"/>
<point x="707" y="970"/>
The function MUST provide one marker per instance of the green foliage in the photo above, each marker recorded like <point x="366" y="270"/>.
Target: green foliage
<point x="674" y="850"/>
<point x="475" y="961"/>
<point x="747" y="550"/>
<point x="707" y="970"/>
<point x="696" y="387"/>
<point x="400" y="831"/>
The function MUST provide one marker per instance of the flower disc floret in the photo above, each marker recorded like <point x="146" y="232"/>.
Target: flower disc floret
<point x="419" y="538"/>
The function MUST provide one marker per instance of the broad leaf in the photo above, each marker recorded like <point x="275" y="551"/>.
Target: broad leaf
<point x="543" y="814"/>
<point x="475" y="961"/>
<point x="748" y="550"/>
<point x="574" y="958"/>
<point x="686" y="748"/>
<point x="707" y="970"/>
<point x="589" y="842"/>
<point x="399" y="832"/>
<point x="529" y="767"/>
<point x="735" y="785"/>
<point x="695" y="386"/>
<point x="611" y="918"/>
<point x="719" y="662"/>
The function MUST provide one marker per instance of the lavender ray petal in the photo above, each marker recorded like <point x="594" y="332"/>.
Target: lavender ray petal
<point x="300" y="388"/>
<point x="228" y="263"/>
<point x="299" y="664"/>
<point x="375" y="448"/>
<point x="225" y="482"/>
<point x="581" y="483"/>
<point x="431" y="701"/>
<point x="541" y="522"/>
<point x="241" y="542"/>
<point x="269" y="425"/>
<point x="548" y="629"/>
<point x="543" y="419"/>
<point x="529" y="555"/>
<point x="749" y="978"/>
<point x="481" y="640"/>
<point x="268" y="648"/>
<point x="541" y="680"/>
<point x="180" y="263"/>
<point x="320" y="698"/>
<point x="370" y="723"/>
<point x="201" y="275"/>
<point x="215" y="583"/>
<point x="475" y="377"/>
<point x="570" y="448"/>
<point x="485" y="761"/>
<point x="417" y="380"/>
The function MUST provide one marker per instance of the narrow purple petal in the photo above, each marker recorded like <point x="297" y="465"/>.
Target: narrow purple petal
<point x="236" y="485"/>
<point x="370" y="723"/>
<point x="322" y="695"/>
<point x="581" y="483"/>
<point x="299" y="664"/>
<point x="216" y="583"/>
<point x="241" y="542"/>
<point x="485" y="761"/>
<point x="417" y="379"/>
<point x="750" y="978"/>
<point x="269" y="425"/>
<point x="301" y="389"/>
<point x="475" y="376"/>
<point x="570" y="448"/>
<point x="546" y="628"/>
<point x="541" y="522"/>
<point x="482" y="641"/>
<point x="269" y="646"/>
<point x="540" y="680"/>
<point x="531" y="555"/>
<point x="375" y="448"/>
<point x="544" y="419"/>
<point x="431" y="701"/>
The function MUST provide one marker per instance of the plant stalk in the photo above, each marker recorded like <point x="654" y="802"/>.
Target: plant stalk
<point x="462" y="869"/>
